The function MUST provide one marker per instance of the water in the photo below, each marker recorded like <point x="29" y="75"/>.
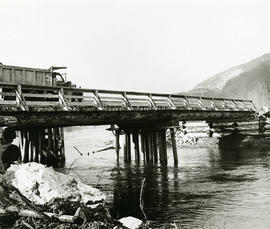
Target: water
<point x="209" y="189"/>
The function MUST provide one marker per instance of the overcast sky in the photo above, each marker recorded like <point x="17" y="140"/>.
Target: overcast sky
<point x="160" y="46"/>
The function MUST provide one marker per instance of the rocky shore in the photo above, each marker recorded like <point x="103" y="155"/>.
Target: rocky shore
<point x="35" y="196"/>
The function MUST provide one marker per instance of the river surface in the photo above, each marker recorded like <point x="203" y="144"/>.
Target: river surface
<point x="210" y="188"/>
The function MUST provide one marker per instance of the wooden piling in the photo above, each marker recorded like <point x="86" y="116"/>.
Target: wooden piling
<point x="146" y="147"/>
<point x="162" y="147"/>
<point x="135" y="138"/>
<point x="165" y="146"/>
<point x="48" y="149"/>
<point x="117" y="144"/>
<point x="127" y="148"/>
<point x="174" y="148"/>
<point x="56" y="142"/>
<point x="42" y="153"/>
<point x="143" y="145"/>
<point x="155" y="153"/>
<point x="62" y="159"/>
<point x="35" y="144"/>
<point x="32" y="150"/>
<point x="150" y="145"/>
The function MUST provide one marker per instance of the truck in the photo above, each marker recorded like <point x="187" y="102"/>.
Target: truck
<point x="33" y="76"/>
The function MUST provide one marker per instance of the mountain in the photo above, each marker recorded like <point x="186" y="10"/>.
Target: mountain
<point x="246" y="81"/>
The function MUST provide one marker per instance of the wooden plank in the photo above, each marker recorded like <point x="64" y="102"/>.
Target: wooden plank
<point x="48" y="95"/>
<point x="83" y="104"/>
<point x="140" y="104"/>
<point x="8" y="93"/>
<point x="42" y="103"/>
<point x="79" y="97"/>
<point x="8" y="102"/>
<point x="113" y="103"/>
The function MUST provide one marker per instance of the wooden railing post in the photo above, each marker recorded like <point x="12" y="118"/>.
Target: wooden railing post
<point x="20" y="99"/>
<point x="98" y="100"/>
<point x="62" y="99"/>
<point x="171" y="102"/>
<point x="152" y="102"/>
<point x="126" y="101"/>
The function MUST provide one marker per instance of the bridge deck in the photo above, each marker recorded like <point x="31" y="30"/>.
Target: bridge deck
<point x="24" y="105"/>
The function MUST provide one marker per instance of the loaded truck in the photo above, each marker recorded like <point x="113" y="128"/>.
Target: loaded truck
<point x="48" y="78"/>
<point x="33" y="76"/>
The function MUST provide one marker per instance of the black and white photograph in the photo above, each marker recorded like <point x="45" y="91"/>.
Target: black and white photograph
<point x="134" y="114"/>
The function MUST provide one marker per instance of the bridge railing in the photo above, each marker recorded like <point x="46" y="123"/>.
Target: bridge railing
<point x="45" y="98"/>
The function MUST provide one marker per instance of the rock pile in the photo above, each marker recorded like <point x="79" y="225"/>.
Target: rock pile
<point x="42" y="184"/>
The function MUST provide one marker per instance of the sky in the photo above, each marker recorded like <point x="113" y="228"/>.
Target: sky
<point x="164" y="46"/>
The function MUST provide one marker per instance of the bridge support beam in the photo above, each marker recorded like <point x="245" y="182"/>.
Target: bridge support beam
<point x="146" y="146"/>
<point x="151" y="141"/>
<point x="162" y="147"/>
<point x="155" y="152"/>
<point x="135" y="138"/>
<point x="127" y="147"/>
<point x="174" y="148"/>
<point x="150" y="145"/>
<point x="42" y="145"/>
<point x="142" y="145"/>
<point x="117" y="144"/>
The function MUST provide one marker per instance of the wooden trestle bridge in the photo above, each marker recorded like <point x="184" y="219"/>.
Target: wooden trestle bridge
<point x="38" y="112"/>
<point x="38" y="109"/>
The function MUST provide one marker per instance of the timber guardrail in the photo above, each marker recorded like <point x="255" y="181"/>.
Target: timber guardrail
<point x="14" y="97"/>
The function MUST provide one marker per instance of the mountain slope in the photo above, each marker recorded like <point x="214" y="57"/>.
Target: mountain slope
<point x="247" y="81"/>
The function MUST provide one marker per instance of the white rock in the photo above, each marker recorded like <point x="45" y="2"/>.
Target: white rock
<point x="131" y="222"/>
<point x="42" y="184"/>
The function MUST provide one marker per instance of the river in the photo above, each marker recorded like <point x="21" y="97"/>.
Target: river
<point x="210" y="188"/>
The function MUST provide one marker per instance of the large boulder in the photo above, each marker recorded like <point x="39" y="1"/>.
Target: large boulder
<point x="42" y="185"/>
